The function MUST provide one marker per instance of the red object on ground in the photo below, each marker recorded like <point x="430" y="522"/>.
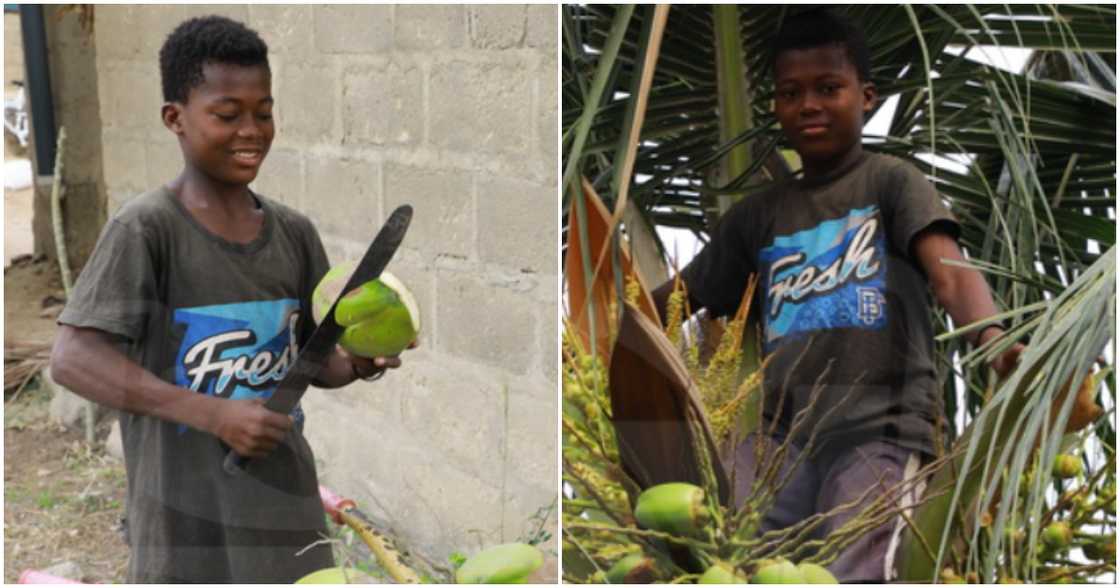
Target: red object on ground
<point x="37" y="577"/>
<point x="334" y="504"/>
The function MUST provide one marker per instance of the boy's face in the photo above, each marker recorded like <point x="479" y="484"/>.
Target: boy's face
<point x="225" y="128"/>
<point x="820" y="102"/>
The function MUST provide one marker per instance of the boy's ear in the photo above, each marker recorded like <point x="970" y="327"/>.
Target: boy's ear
<point x="870" y="97"/>
<point x="172" y="115"/>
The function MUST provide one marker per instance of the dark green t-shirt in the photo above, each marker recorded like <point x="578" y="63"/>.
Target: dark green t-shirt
<point x="844" y="306"/>
<point x="223" y="319"/>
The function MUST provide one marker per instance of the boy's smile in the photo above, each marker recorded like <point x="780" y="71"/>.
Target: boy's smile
<point x="820" y="102"/>
<point x="226" y="127"/>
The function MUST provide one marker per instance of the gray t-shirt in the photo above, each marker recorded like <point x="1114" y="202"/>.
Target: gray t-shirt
<point x="844" y="306"/>
<point x="223" y="319"/>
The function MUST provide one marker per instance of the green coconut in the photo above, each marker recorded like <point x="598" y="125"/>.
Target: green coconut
<point x="1057" y="535"/>
<point x="336" y="575"/>
<point x="720" y="573"/>
<point x="816" y="574"/>
<point x="1066" y="466"/>
<point x="380" y="317"/>
<point x="510" y="563"/>
<point x="673" y="507"/>
<point x="949" y="576"/>
<point x="635" y="568"/>
<point x="780" y="571"/>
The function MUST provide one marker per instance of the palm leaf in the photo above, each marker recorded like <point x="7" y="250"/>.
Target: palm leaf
<point x="1033" y="184"/>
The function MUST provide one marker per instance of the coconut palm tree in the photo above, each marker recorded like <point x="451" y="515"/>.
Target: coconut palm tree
<point x="1025" y="159"/>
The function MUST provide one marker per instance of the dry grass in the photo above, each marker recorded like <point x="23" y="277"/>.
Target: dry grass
<point x="63" y="499"/>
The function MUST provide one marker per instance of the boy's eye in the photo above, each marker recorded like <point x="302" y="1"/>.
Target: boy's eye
<point x="264" y="116"/>
<point x="225" y="117"/>
<point x="829" y="88"/>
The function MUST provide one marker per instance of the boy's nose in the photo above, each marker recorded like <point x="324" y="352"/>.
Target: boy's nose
<point x="809" y="104"/>
<point x="250" y="129"/>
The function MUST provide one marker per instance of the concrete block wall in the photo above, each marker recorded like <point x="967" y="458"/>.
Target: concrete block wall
<point x="452" y="109"/>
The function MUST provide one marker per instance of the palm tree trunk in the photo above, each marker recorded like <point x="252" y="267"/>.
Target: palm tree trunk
<point x="735" y="118"/>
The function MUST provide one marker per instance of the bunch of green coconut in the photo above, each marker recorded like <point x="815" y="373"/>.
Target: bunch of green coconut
<point x="619" y="531"/>
<point x="1081" y="514"/>
<point x="509" y="563"/>
<point x="679" y="508"/>
<point x="1059" y="528"/>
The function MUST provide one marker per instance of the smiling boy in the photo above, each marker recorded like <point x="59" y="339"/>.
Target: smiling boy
<point x="189" y="312"/>
<point x="847" y="256"/>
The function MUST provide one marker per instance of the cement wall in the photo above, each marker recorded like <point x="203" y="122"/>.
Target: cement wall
<point x="13" y="52"/>
<point x="453" y="110"/>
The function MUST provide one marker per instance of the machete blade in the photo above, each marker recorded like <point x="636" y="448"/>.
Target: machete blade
<point x="322" y="341"/>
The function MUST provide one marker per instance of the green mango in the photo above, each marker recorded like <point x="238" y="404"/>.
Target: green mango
<point x="510" y="563"/>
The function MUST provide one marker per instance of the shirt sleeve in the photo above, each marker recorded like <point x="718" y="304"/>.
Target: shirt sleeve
<point x="316" y="265"/>
<point x="912" y="205"/>
<point x="717" y="277"/>
<point x="116" y="291"/>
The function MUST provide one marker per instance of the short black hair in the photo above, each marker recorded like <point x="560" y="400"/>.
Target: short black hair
<point x="202" y="40"/>
<point x="819" y="27"/>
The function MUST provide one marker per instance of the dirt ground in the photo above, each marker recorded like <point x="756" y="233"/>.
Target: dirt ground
<point x="63" y="499"/>
<point x="17" y="234"/>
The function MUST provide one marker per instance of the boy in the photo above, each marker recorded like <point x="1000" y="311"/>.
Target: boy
<point x="188" y="314"/>
<point x="845" y="255"/>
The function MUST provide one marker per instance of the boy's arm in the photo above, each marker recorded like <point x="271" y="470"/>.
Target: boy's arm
<point x="88" y="362"/>
<point x="961" y="291"/>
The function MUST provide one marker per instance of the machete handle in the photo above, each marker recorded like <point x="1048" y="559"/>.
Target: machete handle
<point x="37" y="577"/>
<point x="334" y="504"/>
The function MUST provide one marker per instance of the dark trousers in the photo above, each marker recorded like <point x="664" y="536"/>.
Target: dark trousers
<point x="833" y="475"/>
<point x="171" y="547"/>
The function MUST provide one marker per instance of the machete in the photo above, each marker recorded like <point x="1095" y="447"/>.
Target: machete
<point x="326" y="335"/>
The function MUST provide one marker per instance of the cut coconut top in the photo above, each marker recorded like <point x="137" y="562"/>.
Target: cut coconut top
<point x="405" y="295"/>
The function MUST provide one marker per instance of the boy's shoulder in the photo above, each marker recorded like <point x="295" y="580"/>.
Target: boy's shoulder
<point x="879" y="173"/>
<point x="765" y="201"/>
<point x="157" y="210"/>
<point x="882" y="169"/>
<point x="146" y="210"/>
<point x="286" y="216"/>
<point x="885" y="163"/>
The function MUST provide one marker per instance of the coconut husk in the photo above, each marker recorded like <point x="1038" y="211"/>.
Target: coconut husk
<point x="1085" y="408"/>
<point x="658" y="416"/>
<point x="589" y="303"/>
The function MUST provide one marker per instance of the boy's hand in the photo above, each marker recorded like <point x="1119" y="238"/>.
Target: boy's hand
<point x="249" y="428"/>
<point x="366" y="368"/>
<point x="1006" y="361"/>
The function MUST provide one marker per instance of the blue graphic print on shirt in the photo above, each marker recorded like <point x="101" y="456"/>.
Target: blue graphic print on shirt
<point x="828" y="277"/>
<point x="237" y="351"/>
